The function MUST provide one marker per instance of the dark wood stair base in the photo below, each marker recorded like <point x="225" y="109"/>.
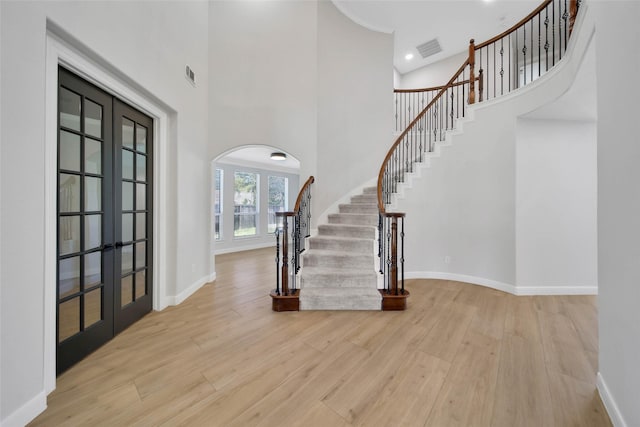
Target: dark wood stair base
<point x="392" y="302"/>
<point x="289" y="302"/>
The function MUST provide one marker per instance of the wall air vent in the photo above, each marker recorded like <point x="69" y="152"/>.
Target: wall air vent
<point x="429" y="48"/>
<point x="190" y="75"/>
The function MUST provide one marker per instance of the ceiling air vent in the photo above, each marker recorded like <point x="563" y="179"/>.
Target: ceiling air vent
<point x="429" y="48"/>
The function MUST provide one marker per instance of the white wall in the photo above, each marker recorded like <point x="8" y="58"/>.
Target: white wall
<point x="436" y="74"/>
<point x="462" y="208"/>
<point x="302" y="77"/>
<point x="355" y="104"/>
<point x="263" y="62"/>
<point x="556" y="205"/>
<point x="149" y="57"/>
<point x="263" y="239"/>
<point x="618" y="210"/>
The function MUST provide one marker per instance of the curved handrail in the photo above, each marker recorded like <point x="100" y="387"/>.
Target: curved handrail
<point x="430" y="89"/>
<point x="497" y="74"/>
<point x="306" y="185"/>
<point x="400" y="138"/>
<point x="300" y="218"/>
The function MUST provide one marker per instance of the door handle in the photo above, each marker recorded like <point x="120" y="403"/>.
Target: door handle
<point x="119" y="244"/>
<point x="107" y="247"/>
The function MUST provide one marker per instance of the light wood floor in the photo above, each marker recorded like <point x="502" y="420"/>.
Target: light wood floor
<point x="461" y="355"/>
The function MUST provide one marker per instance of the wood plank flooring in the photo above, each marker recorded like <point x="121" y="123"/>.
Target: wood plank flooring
<point x="461" y="355"/>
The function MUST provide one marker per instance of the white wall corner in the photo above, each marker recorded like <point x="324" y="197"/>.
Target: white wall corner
<point x="27" y="412"/>
<point x="609" y="403"/>
<point x="182" y="296"/>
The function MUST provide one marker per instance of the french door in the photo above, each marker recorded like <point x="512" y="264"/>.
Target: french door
<point x="104" y="281"/>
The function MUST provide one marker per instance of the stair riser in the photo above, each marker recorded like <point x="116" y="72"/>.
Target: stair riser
<point x="321" y="281"/>
<point x="339" y="303"/>
<point x="354" y="219"/>
<point x="365" y="198"/>
<point x="333" y="261"/>
<point x="370" y="190"/>
<point x="337" y="230"/>
<point x="359" y="209"/>
<point x="356" y="246"/>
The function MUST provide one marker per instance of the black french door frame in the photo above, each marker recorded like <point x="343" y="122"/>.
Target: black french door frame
<point x="91" y="269"/>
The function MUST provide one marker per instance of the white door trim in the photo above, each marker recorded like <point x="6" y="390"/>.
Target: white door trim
<point x="60" y="51"/>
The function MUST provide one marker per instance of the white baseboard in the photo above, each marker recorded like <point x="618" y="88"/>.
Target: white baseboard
<point x="556" y="290"/>
<point x="610" y="405"/>
<point x="505" y="287"/>
<point x="27" y="412"/>
<point x="175" y="300"/>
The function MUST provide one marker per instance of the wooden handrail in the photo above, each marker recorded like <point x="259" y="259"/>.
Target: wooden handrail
<point x="515" y="27"/>
<point x="449" y="84"/>
<point x="309" y="181"/>
<point x="429" y="89"/>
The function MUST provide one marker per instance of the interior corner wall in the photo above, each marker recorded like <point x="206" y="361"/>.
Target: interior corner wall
<point x="355" y="104"/>
<point x="263" y="89"/>
<point x="153" y="56"/>
<point x="556" y="205"/>
<point x="618" y="209"/>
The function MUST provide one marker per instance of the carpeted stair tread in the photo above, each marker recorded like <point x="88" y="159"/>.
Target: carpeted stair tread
<point x="337" y="243"/>
<point x="358" y="208"/>
<point x="347" y="230"/>
<point x="322" y="277"/>
<point x="318" y="257"/>
<point x="354" y="219"/>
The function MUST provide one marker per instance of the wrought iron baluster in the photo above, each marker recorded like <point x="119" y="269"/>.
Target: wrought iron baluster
<point x="565" y="16"/>
<point x="524" y="55"/>
<point x="402" y="253"/>
<point x="277" y="234"/>
<point x="546" y="38"/>
<point x="539" y="43"/>
<point x="531" y="54"/>
<point x="553" y="33"/>
<point x="502" y="66"/>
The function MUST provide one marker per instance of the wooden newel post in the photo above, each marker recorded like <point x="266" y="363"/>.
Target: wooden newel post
<point x="472" y="72"/>
<point x="394" y="256"/>
<point x="285" y="255"/>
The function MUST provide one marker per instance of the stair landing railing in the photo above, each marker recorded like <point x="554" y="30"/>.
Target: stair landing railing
<point x="504" y="63"/>
<point x="294" y="227"/>
<point x="500" y="65"/>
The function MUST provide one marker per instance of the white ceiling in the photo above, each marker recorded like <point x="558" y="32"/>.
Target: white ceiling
<point x="259" y="156"/>
<point x="452" y="22"/>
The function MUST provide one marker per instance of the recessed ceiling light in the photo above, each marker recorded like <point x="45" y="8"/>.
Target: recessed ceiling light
<point x="408" y="56"/>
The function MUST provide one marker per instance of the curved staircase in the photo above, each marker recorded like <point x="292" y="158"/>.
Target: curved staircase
<point x="356" y="262"/>
<point x="339" y="271"/>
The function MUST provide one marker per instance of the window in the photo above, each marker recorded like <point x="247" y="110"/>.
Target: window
<point x="217" y="209"/>
<point x="245" y="199"/>
<point x="277" y="200"/>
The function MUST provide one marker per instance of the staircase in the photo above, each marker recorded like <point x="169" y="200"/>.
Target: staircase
<point x="339" y="270"/>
